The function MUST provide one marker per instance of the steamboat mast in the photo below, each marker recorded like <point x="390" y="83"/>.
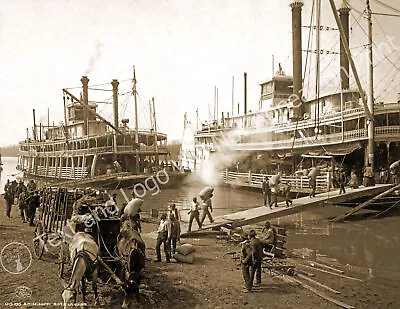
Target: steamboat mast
<point x="136" y="121"/>
<point x="369" y="160"/>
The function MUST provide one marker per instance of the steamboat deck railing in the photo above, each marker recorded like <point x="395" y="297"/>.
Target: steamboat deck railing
<point x="254" y="180"/>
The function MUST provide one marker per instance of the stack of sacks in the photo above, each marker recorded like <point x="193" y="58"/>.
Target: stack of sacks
<point x="185" y="253"/>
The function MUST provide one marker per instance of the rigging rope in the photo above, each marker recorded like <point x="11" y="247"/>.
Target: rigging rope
<point x="387" y="6"/>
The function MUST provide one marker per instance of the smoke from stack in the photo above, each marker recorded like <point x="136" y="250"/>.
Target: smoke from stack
<point x="95" y="57"/>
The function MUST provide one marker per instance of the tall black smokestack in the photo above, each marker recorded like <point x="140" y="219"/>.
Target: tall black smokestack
<point x="85" y="101"/>
<point x="34" y="125"/>
<point x="115" y="84"/>
<point x="344" y="62"/>
<point x="297" y="56"/>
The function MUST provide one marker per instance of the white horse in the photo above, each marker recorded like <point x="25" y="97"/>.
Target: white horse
<point x="83" y="252"/>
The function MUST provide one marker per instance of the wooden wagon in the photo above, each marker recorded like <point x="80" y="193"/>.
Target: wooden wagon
<point x="56" y="225"/>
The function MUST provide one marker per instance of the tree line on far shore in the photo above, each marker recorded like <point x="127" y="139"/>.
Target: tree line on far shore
<point x="9" y="151"/>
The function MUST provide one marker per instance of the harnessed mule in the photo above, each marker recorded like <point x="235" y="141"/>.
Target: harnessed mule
<point x="131" y="251"/>
<point x="84" y="252"/>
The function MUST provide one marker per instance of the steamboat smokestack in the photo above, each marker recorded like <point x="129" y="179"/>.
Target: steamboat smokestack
<point x="115" y="84"/>
<point x="344" y="62"/>
<point x="245" y="93"/>
<point x="297" y="57"/>
<point x="85" y="101"/>
<point x="34" y="125"/>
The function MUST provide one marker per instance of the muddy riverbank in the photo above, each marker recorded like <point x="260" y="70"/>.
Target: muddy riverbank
<point x="363" y="250"/>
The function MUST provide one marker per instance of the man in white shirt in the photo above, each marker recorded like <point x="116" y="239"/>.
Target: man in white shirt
<point x="194" y="214"/>
<point x="162" y="239"/>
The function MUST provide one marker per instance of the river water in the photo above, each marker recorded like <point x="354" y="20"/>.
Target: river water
<point x="9" y="171"/>
<point x="371" y="247"/>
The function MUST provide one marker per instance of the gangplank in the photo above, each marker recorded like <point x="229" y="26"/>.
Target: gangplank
<point x="259" y="214"/>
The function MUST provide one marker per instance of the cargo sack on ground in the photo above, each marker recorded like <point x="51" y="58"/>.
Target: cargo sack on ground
<point x="315" y="171"/>
<point x="133" y="206"/>
<point x="206" y="193"/>
<point x="185" y="249"/>
<point x="184" y="258"/>
<point x="274" y="180"/>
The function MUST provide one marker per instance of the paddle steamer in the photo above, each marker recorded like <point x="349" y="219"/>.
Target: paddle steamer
<point x="89" y="150"/>
<point x="349" y="125"/>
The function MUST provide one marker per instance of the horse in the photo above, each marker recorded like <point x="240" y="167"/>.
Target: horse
<point x="131" y="251"/>
<point x="83" y="251"/>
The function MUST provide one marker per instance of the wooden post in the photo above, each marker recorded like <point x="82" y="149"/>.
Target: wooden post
<point x="83" y="166"/>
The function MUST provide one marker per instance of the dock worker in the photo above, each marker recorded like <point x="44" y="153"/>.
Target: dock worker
<point x="269" y="238"/>
<point x="257" y="253"/>
<point x="368" y="179"/>
<point x="31" y="186"/>
<point x="342" y="181"/>
<point x="33" y="203"/>
<point x="175" y="211"/>
<point x="194" y="214"/>
<point x="9" y="197"/>
<point x="21" y="187"/>
<point x="173" y="233"/>
<point x="313" y="185"/>
<point x="266" y="190"/>
<point x="288" y="188"/>
<point x="162" y="239"/>
<point x="246" y="261"/>
<point x="274" y="196"/>
<point x="7" y="185"/>
<point x="206" y="208"/>
<point x="353" y="180"/>
<point x="22" y="206"/>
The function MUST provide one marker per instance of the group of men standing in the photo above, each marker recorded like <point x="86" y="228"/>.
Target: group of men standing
<point x="194" y="212"/>
<point x="26" y="197"/>
<point x="270" y="193"/>
<point x="169" y="231"/>
<point x="252" y="254"/>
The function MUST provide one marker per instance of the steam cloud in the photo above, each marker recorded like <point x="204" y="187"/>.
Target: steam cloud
<point x="94" y="58"/>
<point x="222" y="158"/>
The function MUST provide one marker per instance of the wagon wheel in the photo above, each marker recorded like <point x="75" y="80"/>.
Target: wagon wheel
<point x="291" y="272"/>
<point x="38" y="241"/>
<point x="63" y="258"/>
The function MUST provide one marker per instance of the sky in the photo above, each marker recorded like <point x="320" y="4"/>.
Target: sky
<point x="181" y="50"/>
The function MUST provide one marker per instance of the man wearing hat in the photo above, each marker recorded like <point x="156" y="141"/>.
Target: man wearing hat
<point x="246" y="261"/>
<point x="257" y="253"/>
<point x="269" y="236"/>
<point x="266" y="190"/>
<point x="33" y="202"/>
<point x="162" y="239"/>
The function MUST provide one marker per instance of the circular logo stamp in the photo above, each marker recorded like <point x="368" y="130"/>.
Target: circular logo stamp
<point x="15" y="258"/>
<point x="23" y="292"/>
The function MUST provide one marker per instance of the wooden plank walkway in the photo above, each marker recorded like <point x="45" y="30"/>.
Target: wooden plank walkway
<point x="258" y="214"/>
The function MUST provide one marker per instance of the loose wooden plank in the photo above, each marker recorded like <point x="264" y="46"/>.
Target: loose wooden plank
<point x="301" y="271"/>
<point x="320" y="294"/>
<point x="365" y="204"/>
<point x="318" y="283"/>
<point x="329" y="272"/>
<point x="327" y="267"/>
